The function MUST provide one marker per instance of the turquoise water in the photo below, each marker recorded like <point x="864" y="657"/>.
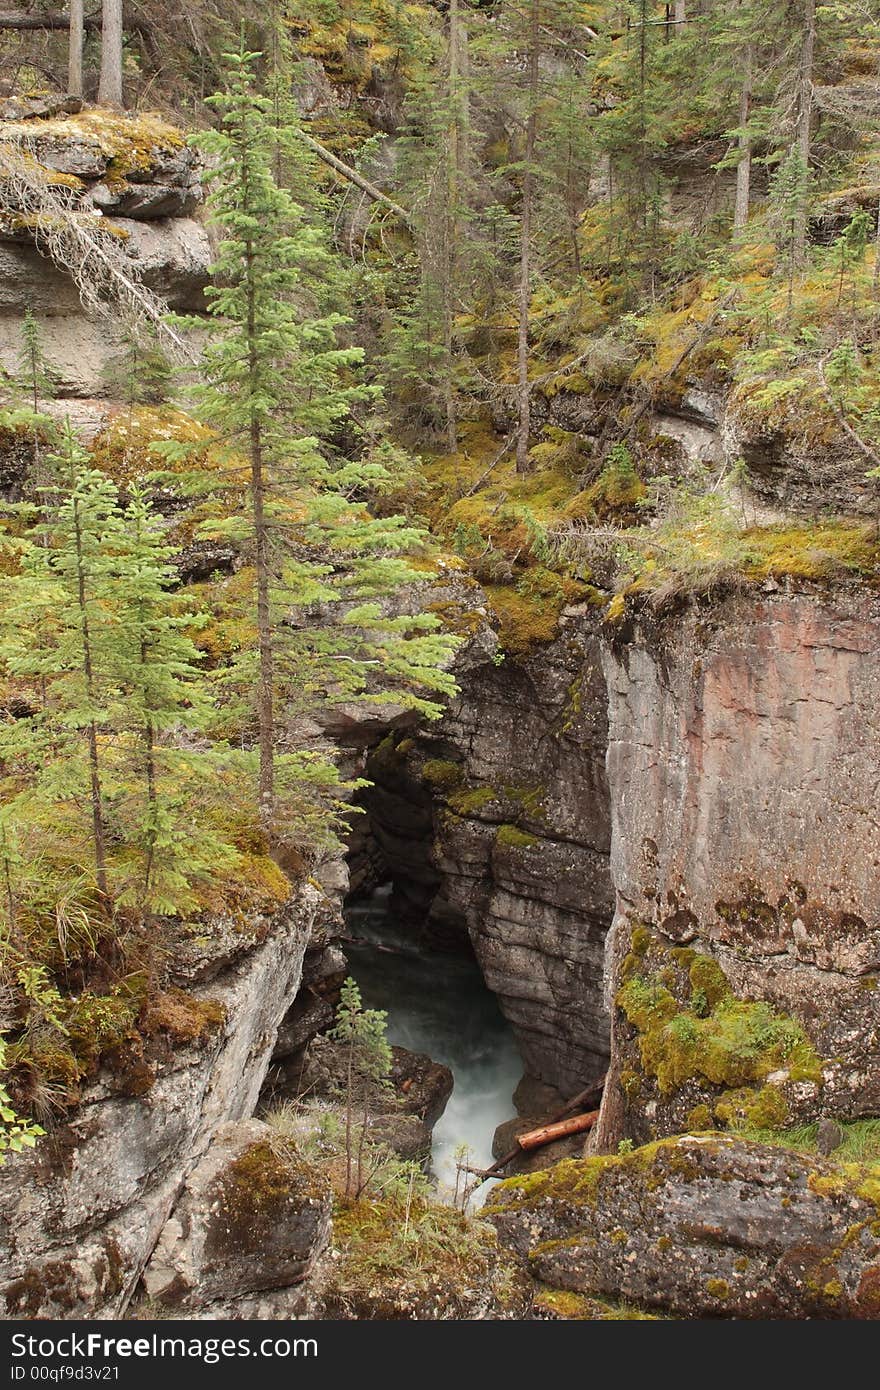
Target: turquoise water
<point x="438" y="1003"/>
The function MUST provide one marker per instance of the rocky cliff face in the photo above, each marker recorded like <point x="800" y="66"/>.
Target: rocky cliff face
<point x="83" y="1212"/>
<point x="733" y="785"/>
<point x="132" y="176"/>
<point x="495" y="822"/>
<point x="743" y="743"/>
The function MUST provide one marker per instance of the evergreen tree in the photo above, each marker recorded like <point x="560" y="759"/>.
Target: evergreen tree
<point x="89" y="624"/>
<point x="280" y="393"/>
<point x="66" y="591"/>
<point x="37" y="380"/>
<point x="161" y="696"/>
<point x="367" y="1061"/>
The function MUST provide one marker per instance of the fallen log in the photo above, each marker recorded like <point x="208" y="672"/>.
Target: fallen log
<point x="593" y="1092"/>
<point x="354" y="177"/>
<point x="45" y="21"/>
<point x="537" y="1138"/>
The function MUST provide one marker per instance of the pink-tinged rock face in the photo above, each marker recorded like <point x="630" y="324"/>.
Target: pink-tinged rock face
<point x="744" y="770"/>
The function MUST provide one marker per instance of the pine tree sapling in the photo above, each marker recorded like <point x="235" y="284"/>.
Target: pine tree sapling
<point x="367" y="1063"/>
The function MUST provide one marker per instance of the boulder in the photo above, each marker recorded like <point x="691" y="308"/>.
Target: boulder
<point x="400" y="1116"/>
<point x="172" y="256"/>
<point x="148" y="201"/>
<point x="251" y="1216"/>
<point x="703" y="1226"/>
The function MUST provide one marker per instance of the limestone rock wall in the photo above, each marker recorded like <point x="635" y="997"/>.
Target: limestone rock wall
<point x="742" y="761"/>
<point x="133" y="173"/>
<point x="83" y="1211"/>
<point x="495" y="821"/>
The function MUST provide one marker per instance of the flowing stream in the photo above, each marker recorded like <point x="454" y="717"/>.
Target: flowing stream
<point x="438" y="1003"/>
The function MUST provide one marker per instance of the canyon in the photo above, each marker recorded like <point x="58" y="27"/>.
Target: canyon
<point x="657" y="835"/>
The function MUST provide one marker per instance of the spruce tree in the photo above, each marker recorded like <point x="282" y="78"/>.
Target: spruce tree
<point x="281" y="393"/>
<point x="161" y="697"/>
<point x="36" y="379"/>
<point x="66" y="592"/>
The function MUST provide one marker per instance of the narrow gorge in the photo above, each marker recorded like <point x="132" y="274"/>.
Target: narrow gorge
<point x="440" y="668"/>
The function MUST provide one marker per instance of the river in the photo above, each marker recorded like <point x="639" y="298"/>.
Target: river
<point x="438" y="1003"/>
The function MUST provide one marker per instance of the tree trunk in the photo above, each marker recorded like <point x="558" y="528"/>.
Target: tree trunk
<point x="265" y="698"/>
<point x="744" y="167"/>
<point x="265" y="695"/>
<point x="97" y="799"/>
<point x="75" y="50"/>
<point x="110" y="84"/>
<point x="149" y="734"/>
<point x="450" y="225"/>
<point x="7" y="877"/>
<point x="525" y="259"/>
<point x="680" y="15"/>
<point x="353" y="176"/>
<point x="804" y="123"/>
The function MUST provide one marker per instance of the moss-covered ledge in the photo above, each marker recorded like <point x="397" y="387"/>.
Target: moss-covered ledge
<point x="702" y="1225"/>
<point x="693" y="1055"/>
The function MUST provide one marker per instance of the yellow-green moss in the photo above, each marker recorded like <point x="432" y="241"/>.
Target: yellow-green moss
<point x="441" y="773"/>
<point x="123" y="448"/>
<point x="524" y="622"/>
<point x="707" y="977"/>
<point x="466" y="803"/>
<point x="718" y="1288"/>
<point x="631" y="1085"/>
<point x="812" y="551"/>
<point x="640" y="940"/>
<point x="614" y="495"/>
<point x="578" y="1181"/>
<point x="511" y="837"/>
<point x="706" y="1032"/>
<point x="130" y="143"/>
<point x="442" y="1247"/>
<point x="256" y="884"/>
<point x="183" y="1018"/>
<point x="752" y="1108"/>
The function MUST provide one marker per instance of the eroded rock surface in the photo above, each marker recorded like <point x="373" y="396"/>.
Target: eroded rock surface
<point x="495" y="822"/>
<point x="703" y="1226"/>
<point x="83" y="1211"/>
<point x="134" y="173"/>
<point x="252" y="1216"/>
<point x="743" y="745"/>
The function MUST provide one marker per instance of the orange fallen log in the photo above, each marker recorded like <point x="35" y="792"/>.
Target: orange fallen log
<point x="537" y="1138"/>
<point x="589" y="1093"/>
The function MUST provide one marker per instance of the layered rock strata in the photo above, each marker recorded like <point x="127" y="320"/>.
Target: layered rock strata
<point x="83" y="1211"/>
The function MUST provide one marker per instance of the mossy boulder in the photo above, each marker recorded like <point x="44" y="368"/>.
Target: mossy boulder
<point x="253" y="1215"/>
<point x="427" y="1264"/>
<point x="701" y="1226"/>
<point x="131" y="165"/>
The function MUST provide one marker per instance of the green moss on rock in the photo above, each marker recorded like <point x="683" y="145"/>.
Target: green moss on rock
<point x="441" y="773"/>
<point x="511" y="837"/>
<point x="705" y="1032"/>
